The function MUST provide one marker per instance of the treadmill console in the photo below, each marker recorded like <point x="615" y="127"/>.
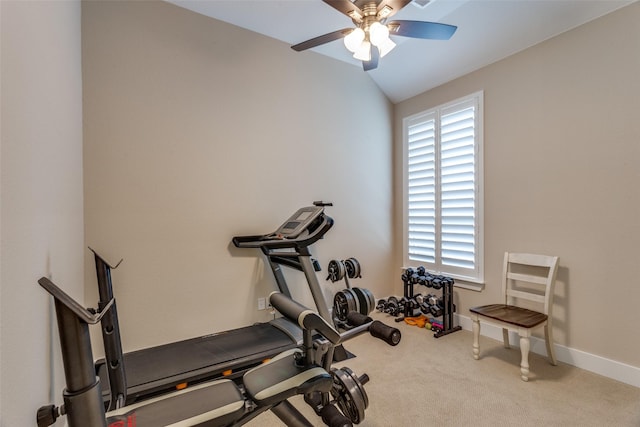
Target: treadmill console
<point x="298" y="222"/>
<point x="301" y="229"/>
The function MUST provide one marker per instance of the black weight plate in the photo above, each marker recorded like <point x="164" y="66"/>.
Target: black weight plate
<point x="343" y="303"/>
<point x="366" y="300"/>
<point x="353" y="268"/>
<point x="336" y="270"/>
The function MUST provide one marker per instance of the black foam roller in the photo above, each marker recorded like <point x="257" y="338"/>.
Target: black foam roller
<point x="386" y="333"/>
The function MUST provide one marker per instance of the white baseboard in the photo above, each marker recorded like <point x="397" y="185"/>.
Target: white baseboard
<point x="602" y="366"/>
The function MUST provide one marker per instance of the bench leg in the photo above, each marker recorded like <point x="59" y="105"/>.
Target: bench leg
<point x="289" y="415"/>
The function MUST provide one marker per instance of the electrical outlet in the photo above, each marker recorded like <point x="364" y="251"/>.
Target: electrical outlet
<point x="262" y="303"/>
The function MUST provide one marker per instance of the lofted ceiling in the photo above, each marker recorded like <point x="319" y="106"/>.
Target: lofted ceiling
<point x="488" y="30"/>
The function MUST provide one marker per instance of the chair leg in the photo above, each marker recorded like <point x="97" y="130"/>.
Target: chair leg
<point x="524" y="349"/>
<point x="505" y="337"/>
<point x="476" y="336"/>
<point x="548" y="337"/>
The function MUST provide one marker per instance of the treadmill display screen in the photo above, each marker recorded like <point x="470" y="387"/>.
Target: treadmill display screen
<point x="298" y="222"/>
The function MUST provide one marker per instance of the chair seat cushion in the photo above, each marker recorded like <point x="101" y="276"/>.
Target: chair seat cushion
<point x="511" y="314"/>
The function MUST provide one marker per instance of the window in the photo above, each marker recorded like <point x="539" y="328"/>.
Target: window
<point x="443" y="189"/>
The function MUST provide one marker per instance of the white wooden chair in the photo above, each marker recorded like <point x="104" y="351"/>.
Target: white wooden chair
<point x="525" y="277"/>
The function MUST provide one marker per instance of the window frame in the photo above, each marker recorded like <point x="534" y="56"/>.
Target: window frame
<point x="475" y="278"/>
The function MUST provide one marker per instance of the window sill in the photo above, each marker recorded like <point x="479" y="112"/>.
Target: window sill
<point x="478" y="287"/>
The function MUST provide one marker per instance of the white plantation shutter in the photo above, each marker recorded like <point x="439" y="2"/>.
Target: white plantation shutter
<point x="457" y="186"/>
<point x="422" y="190"/>
<point x="443" y="189"/>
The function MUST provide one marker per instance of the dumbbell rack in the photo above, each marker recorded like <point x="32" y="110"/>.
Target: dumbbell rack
<point x="447" y="309"/>
<point x="447" y="315"/>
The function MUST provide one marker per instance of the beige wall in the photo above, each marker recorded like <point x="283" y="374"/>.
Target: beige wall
<point x="196" y="131"/>
<point x="41" y="217"/>
<point x="172" y="172"/>
<point x="562" y="154"/>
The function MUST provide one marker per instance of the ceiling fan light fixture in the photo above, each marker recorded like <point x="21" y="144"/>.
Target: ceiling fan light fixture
<point x="354" y="40"/>
<point x="364" y="52"/>
<point x="379" y="36"/>
<point x="378" y="33"/>
<point x="386" y="47"/>
<point x="370" y="40"/>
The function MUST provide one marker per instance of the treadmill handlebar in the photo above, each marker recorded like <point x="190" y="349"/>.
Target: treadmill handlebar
<point x="303" y="316"/>
<point x="273" y="241"/>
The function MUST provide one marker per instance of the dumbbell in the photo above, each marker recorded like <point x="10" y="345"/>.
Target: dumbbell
<point x="440" y="281"/>
<point x="436" y="310"/>
<point x="432" y="299"/>
<point x="393" y="306"/>
<point x="410" y="306"/>
<point x="407" y="274"/>
<point x="381" y="305"/>
<point x="416" y="279"/>
<point x="426" y="280"/>
<point x="404" y="304"/>
<point x="421" y="303"/>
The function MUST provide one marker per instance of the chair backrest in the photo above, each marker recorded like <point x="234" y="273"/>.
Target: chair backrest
<point x="529" y="277"/>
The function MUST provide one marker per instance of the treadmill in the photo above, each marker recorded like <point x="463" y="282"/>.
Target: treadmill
<point x="158" y="370"/>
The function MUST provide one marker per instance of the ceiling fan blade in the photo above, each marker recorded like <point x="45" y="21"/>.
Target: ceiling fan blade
<point x="395" y="6"/>
<point x="372" y="64"/>
<point x="421" y="29"/>
<point x="325" y="38"/>
<point x="346" y="7"/>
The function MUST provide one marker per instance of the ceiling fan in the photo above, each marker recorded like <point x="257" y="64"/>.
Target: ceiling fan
<point x="370" y="41"/>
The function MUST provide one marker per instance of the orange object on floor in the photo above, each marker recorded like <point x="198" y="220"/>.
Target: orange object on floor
<point x="419" y="321"/>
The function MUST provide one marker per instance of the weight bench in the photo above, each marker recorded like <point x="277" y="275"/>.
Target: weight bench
<point x="222" y="402"/>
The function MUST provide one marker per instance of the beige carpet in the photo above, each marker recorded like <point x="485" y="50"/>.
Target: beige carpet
<point x="426" y="381"/>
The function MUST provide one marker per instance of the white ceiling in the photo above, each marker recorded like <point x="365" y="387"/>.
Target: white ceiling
<point x="488" y="30"/>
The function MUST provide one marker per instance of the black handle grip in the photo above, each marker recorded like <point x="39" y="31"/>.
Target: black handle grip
<point x="356" y="319"/>
<point x="334" y="418"/>
<point x="386" y="333"/>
